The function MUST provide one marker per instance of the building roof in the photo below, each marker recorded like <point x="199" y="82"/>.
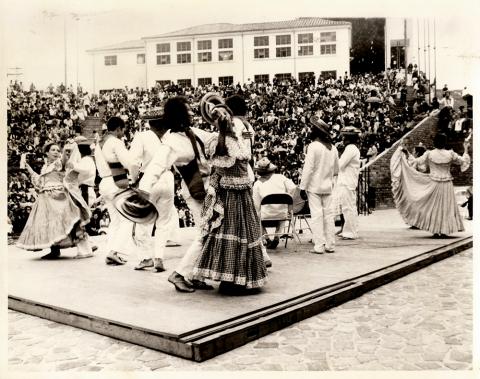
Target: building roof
<point x="302" y="22"/>
<point x="127" y="45"/>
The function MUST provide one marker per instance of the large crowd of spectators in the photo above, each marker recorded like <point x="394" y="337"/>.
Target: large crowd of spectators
<point x="278" y="111"/>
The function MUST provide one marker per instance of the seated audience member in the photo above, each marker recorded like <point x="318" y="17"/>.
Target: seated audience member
<point x="271" y="183"/>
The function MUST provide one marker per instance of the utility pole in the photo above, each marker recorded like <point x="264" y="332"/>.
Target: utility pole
<point x="65" y="47"/>
<point x="434" y="59"/>
<point x="405" y="46"/>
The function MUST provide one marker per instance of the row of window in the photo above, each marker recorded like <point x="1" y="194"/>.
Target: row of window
<point x="227" y="43"/>
<point x="305" y="48"/>
<point x="260" y="78"/>
<point x="223" y="56"/>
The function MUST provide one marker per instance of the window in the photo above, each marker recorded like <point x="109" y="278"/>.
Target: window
<point x="284" y="39"/>
<point x="163" y="47"/>
<point x="302" y="76"/>
<point x="262" y="78"/>
<point x="163" y="83"/>
<point x="305" y="50"/>
<point x="282" y="77"/>
<point x="140" y="58"/>
<point x="226" y="43"/>
<point x="184" y="58"/>
<point x="204" y="81"/>
<point x="225" y="80"/>
<point x="261" y="53"/>
<point x="284" y="52"/>
<point x="204" y="45"/>
<point x="184" y="82"/>
<point x="328" y="49"/>
<point x="205" y="57"/>
<point x="328" y="37"/>
<point x="305" y="38"/>
<point x="260" y="41"/>
<point x="163" y="59"/>
<point x="110" y="60"/>
<point x="184" y="46"/>
<point x="329" y="74"/>
<point x="225" y="55"/>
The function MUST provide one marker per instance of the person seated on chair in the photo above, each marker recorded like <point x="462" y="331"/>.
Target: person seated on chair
<point x="271" y="183"/>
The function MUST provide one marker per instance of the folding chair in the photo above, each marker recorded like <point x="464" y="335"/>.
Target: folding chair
<point x="279" y="199"/>
<point x="301" y="213"/>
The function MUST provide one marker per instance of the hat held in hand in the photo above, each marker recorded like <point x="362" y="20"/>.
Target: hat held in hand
<point x="134" y="205"/>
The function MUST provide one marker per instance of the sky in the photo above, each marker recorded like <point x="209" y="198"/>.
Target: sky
<point x="35" y="31"/>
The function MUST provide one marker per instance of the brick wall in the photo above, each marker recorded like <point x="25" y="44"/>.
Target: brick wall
<point x="380" y="167"/>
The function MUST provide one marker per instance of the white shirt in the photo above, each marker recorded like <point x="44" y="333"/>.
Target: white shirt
<point x="277" y="183"/>
<point x="86" y="171"/>
<point x="349" y="167"/>
<point x="113" y="150"/>
<point x="320" y="166"/>
<point x="177" y="150"/>
<point x="143" y="148"/>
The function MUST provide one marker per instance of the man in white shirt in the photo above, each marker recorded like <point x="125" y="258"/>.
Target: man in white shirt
<point x="114" y="163"/>
<point x="185" y="148"/>
<point x="349" y="170"/>
<point x="319" y="170"/>
<point x="447" y="101"/>
<point x="144" y="146"/>
<point x="271" y="183"/>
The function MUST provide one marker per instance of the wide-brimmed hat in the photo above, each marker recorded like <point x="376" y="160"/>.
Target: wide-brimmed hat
<point x="319" y="124"/>
<point x="264" y="166"/>
<point x="82" y="140"/>
<point x="134" y="205"/>
<point x="350" y="131"/>
<point x="154" y="114"/>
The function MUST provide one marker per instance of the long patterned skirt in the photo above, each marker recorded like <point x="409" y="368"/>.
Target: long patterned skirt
<point x="422" y="202"/>
<point x="57" y="219"/>
<point x="232" y="250"/>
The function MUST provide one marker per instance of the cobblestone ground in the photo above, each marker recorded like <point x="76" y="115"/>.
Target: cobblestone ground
<point x="420" y="322"/>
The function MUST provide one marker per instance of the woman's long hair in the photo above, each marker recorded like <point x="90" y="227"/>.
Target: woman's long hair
<point x="176" y="116"/>
<point x="223" y="130"/>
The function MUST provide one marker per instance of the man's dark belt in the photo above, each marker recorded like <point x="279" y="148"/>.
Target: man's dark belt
<point x="84" y="191"/>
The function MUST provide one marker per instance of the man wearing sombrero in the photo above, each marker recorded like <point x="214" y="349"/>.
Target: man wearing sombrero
<point x="144" y="146"/>
<point x="271" y="183"/>
<point x="319" y="170"/>
<point x="349" y="170"/>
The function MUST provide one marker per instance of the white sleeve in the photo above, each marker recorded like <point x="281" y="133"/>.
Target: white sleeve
<point x="308" y="168"/>
<point x="163" y="160"/>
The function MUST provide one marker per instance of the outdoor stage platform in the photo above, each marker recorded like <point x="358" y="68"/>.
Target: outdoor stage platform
<point x="141" y="307"/>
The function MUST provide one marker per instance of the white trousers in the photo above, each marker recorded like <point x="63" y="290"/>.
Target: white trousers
<point x="348" y="203"/>
<point x="163" y="193"/>
<point x="323" y="222"/>
<point x="185" y="267"/>
<point x="119" y="236"/>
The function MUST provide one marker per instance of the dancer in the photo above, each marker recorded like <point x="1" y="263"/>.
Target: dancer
<point x="232" y="245"/>
<point x="185" y="148"/>
<point x="144" y="146"/>
<point x="319" y="170"/>
<point x="113" y="163"/>
<point x="58" y="217"/>
<point x="347" y="181"/>
<point x="427" y="201"/>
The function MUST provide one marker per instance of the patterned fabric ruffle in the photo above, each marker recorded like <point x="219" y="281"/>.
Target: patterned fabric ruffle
<point x="232" y="246"/>
<point x="422" y="202"/>
<point x="57" y="217"/>
<point x="237" y="149"/>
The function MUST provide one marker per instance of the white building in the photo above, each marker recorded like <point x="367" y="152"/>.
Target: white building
<point x="227" y="53"/>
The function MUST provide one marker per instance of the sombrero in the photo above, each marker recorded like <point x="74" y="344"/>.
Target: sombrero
<point x="133" y="204"/>
<point x="264" y="166"/>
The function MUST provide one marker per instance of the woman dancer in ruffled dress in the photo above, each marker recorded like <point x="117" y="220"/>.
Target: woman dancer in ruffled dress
<point x="427" y="201"/>
<point x="232" y="244"/>
<point x="59" y="214"/>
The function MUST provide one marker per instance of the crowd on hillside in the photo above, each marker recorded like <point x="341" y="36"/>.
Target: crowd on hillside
<point x="278" y="111"/>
